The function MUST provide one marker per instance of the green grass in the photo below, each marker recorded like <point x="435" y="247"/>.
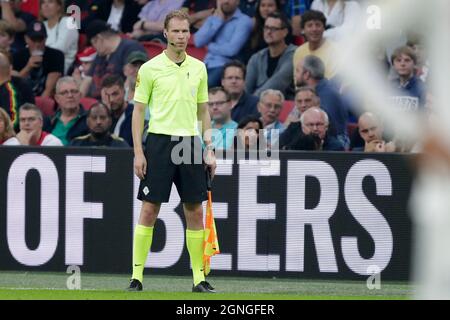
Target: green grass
<point x="52" y="286"/>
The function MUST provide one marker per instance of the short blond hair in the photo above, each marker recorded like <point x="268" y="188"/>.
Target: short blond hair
<point x="177" y="14"/>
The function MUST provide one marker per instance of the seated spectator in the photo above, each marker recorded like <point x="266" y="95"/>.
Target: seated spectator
<point x="7" y="34"/>
<point x="313" y="25"/>
<point x="6" y="127"/>
<point x="31" y="134"/>
<point x="10" y="12"/>
<point x="271" y="68"/>
<point x="70" y="119"/>
<point x="151" y="19"/>
<point x="113" y="96"/>
<point x="224" y="128"/>
<point x="248" y="135"/>
<point x="313" y="122"/>
<point x="42" y="66"/>
<point x="256" y="42"/>
<point x="269" y="106"/>
<point x="311" y="72"/>
<point x="99" y="123"/>
<point x="305" y="98"/>
<point x="342" y="17"/>
<point x="225" y="34"/>
<point x="294" y="10"/>
<point x="14" y="91"/>
<point x="59" y="35"/>
<point x="86" y="58"/>
<point x="242" y="103"/>
<point x="371" y="131"/>
<point x="134" y="61"/>
<point x="112" y="54"/>
<point x="413" y="93"/>
<point x="121" y="15"/>
<point x="198" y="11"/>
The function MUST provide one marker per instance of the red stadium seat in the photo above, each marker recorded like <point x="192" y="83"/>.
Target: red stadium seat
<point x="288" y="105"/>
<point x="195" y="52"/>
<point x="46" y="104"/>
<point x="30" y="7"/>
<point x="88" y="102"/>
<point x="153" y="48"/>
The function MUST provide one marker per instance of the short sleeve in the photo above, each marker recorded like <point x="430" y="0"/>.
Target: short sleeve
<point x="144" y="86"/>
<point x="202" y="93"/>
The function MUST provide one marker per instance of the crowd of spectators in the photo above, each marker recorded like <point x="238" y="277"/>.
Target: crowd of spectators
<point x="272" y="72"/>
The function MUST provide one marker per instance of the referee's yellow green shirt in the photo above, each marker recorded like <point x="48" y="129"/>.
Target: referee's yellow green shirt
<point x="172" y="93"/>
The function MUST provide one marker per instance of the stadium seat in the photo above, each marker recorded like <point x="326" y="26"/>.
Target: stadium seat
<point x="195" y="52"/>
<point x="153" y="48"/>
<point x="288" y="105"/>
<point x="88" y="102"/>
<point x="46" y="104"/>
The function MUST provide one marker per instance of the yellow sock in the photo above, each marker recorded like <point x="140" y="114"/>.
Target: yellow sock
<point x="194" y="243"/>
<point x="141" y="246"/>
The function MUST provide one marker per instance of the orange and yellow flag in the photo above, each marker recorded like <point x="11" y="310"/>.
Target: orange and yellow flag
<point x="210" y="243"/>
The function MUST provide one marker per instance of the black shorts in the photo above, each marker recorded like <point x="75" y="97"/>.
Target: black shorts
<point x="173" y="161"/>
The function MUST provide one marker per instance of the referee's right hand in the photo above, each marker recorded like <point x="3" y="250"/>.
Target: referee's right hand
<point x="140" y="166"/>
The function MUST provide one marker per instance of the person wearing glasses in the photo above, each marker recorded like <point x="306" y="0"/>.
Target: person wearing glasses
<point x="311" y="72"/>
<point x="70" y="119"/>
<point x="313" y="133"/>
<point x="269" y="107"/>
<point x="31" y="122"/>
<point x="272" y="68"/>
<point x="223" y="127"/>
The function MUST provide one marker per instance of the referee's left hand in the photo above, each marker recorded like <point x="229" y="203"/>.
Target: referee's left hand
<point x="210" y="161"/>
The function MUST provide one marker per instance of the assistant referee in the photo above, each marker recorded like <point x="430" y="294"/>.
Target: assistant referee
<point x="175" y="88"/>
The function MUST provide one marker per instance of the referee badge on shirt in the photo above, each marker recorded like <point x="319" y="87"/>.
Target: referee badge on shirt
<point x="138" y="80"/>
